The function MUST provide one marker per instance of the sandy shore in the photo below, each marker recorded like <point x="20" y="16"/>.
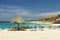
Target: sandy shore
<point x="30" y="35"/>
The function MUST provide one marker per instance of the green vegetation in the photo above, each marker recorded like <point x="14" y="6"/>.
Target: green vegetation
<point x="46" y="19"/>
<point x="27" y="27"/>
<point x="20" y="28"/>
<point x="58" y="16"/>
<point x="50" y="19"/>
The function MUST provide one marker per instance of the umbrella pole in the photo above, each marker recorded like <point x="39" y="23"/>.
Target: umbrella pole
<point x="18" y="26"/>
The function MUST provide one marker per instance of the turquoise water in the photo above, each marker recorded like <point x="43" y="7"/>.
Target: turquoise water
<point x="9" y="25"/>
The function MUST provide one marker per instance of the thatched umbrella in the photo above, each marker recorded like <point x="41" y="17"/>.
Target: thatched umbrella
<point x="18" y="20"/>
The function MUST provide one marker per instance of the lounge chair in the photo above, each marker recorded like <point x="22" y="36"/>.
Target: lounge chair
<point x="31" y="28"/>
<point x="49" y="27"/>
<point x="58" y="27"/>
<point x="41" y="28"/>
<point x="35" y="28"/>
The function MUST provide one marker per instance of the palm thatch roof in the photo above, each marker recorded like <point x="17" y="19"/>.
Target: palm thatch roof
<point x="17" y="20"/>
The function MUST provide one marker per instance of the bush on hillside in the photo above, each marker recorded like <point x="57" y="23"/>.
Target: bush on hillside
<point x="27" y="27"/>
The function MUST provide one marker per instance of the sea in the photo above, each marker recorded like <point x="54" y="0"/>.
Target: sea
<point x="10" y="25"/>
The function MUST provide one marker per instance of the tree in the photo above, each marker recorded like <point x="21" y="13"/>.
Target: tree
<point x="58" y="16"/>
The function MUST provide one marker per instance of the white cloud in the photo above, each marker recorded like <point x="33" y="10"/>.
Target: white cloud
<point x="12" y="11"/>
<point x="49" y="14"/>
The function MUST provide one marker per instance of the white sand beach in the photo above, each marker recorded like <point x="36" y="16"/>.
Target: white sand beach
<point x="30" y="35"/>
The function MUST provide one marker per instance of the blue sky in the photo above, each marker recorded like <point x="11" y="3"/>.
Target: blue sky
<point x="28" y="9"/>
